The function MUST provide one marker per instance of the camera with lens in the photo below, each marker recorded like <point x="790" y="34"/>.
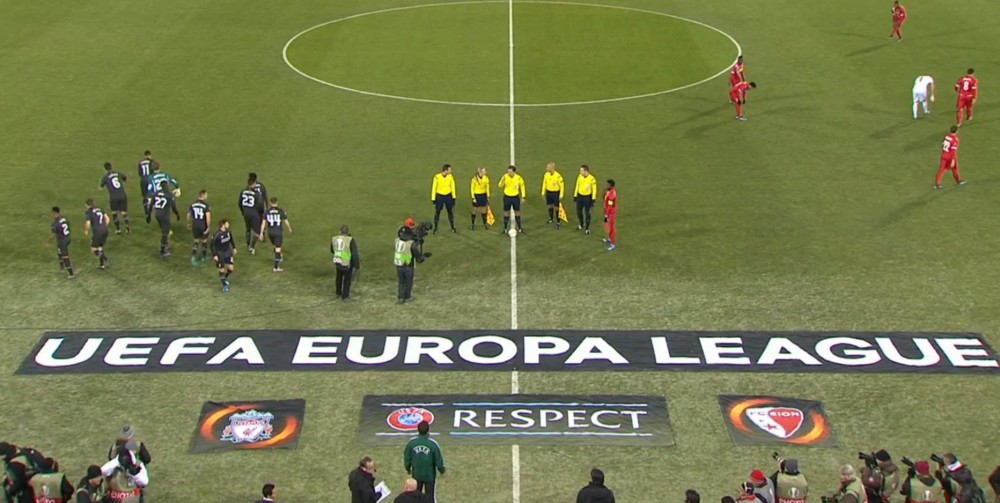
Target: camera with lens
<point x="908" y="462"/>
<point x="869" y="458"/>
<point x="777" y="456"/>
<point x="937" y="459"/>
<point x="825" y="499"/>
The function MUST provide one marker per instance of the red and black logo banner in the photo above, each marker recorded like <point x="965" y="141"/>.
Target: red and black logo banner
<point x="265" y="424"/>
<point x="771" y="420"/>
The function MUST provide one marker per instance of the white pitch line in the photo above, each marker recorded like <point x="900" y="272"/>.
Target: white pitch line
<point x="515" y="385"/>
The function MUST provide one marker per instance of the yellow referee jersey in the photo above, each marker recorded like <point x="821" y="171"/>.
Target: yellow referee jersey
<point x="553" y="182"/>
<point x="480" y="185"/>
<point x="512" y="186"/>
<point x="586" y="186"/>
<point x="444" y="185"/>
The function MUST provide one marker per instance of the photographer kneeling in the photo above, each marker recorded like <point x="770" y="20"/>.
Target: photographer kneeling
<point x="126" y="474"/>
<point x="408" y="251"/>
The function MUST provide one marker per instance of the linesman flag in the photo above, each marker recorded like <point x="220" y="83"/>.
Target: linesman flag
<point x="562" y="213"/>
<point x="490" y="219"/>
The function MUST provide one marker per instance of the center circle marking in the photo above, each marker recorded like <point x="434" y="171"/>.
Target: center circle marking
<point x="284" y="55"/>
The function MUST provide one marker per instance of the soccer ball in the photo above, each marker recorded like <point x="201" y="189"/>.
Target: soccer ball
<point x="177" y="192"/>
<point x="512" y="233"/>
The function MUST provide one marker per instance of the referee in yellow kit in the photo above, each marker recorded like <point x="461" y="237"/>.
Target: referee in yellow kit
<point x="480" y="190"/>
<point x="513" y="193"/>
<point x="553" y="188"/>
<point x="443" y="196"/>
<point x="585" y="196"/>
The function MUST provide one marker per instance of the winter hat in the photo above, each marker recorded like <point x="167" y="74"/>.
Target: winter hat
<point x="93" y="471"/>
<point x="7" y="449"/>
<point x="728" y="499"/>
<point x="791" y="466"/>
<point x="757" y="477"/>
<point x="597" y="476"/>
<point x="883" y="456"/>
<point x="923" y="468"/>
<point x="127" y="431"/>
<point x="409" y="223"/>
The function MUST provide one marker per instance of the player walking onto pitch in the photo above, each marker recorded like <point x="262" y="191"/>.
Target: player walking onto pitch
<point x="199" y="220"/>
<point x="513" y="193"/>
<point x="968" y="90"/>
<point x="274" y="218"/>
<point x="738" y="95"/>
<point x="443" y="196"/>
<point x="156" y="181"/>
<point x="949" y="158"/>
<point x="223" y="253"/>
<point x="115" y="183"/>
<point x="96" y="221"/>
<point x="898" y="18"/>
<point x="553" y="188"/>
<point x="250" y="205"/>
<point x="736" y="75"/>
<point x="585" y="195"/>
<point x="60" y="232"/>
<point x="479" y="188"/>
<point x="146" y="167"/>
<point x="923" y="86"/>
<point x="610" y="214"/>
<point x="163" y="204"/>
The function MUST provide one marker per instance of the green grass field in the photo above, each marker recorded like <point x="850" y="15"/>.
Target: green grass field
<point x="815" y="214"/>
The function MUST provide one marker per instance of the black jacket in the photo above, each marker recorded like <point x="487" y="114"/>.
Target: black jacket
<point x="362" y="485"/>
<point x="595" y="493"/>
<point x="412" y="497"/>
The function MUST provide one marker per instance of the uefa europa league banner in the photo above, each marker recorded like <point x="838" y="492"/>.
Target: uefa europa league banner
<point x="242" y="426"/>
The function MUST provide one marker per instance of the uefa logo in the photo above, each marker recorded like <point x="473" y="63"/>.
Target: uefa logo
<point x="407" y="418"/>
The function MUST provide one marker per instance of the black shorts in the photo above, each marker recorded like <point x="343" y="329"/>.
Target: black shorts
<point x="119" y="203"/>
<point x="63" y="246"/>
<point x="511" y="203"/>
<point x="480" y="200"/>
<point x="199" y="230"/>
<point x="143" y="185"/>
<point x="164" y="220"/>
<point x="252" y="219"/>
<point x="585" y="202"/>
<point x="552" y="197"/>
<point x="444" y="201"/>
<point x="276" y="238"/>
<point x="99" y="238"/>
<point x="224" y="260"/>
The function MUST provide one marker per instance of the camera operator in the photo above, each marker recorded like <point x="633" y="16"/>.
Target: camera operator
<point x="127" y="475"/>
<point x="762" y="486"/>
<point x="995" y="483"/>
<point x="127" y="433"/>
<point x="851" y="490"/>
<point x="871" y="477"/>
<point x="790" y="486"/>
<point x="50" y="482"/>
<point x="92" y="487"/>
<point x="920" y="486"/>
<point x="408" y="252"/>
<point x="957" y="480"/>
<point x="20" y="464"/>
<point x="888" y="475"/>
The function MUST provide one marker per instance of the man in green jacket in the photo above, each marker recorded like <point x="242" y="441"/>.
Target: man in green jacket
<point x="422" y="459"/>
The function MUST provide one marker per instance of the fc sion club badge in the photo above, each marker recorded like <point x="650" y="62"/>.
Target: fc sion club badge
<point x="770" y="420"/>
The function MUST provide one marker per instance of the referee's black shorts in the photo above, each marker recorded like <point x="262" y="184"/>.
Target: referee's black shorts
<point x="479" y="200"/>
<point x="585" y="202"/>
<point x="511" y="203"/>
<point x="444" y="201"/>
<point x="552" y="197"/>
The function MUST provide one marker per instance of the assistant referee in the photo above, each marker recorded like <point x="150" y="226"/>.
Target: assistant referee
<point x="443" y="196"/>
<point x="553" y="188"/>
<point x="585" y="196"/>
<point x="480" y="190"/>
<point x="513" y="193"/>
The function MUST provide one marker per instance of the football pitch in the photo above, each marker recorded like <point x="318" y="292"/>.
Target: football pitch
<point x="816" y="214"/>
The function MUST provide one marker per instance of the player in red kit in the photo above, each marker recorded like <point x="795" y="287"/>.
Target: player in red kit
<point x="610" y="213"/>
<point x="738" y="94"/>
<point x="736" y="74"/>
<point x="968" y="90"/>
<point x="949" y="158"/>
<point x="898" y="18"/>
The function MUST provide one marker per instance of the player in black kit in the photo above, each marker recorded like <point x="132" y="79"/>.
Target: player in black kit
<point x="60" y="232"/>
<point x="274" y="217"/>
<point x="199" y="219"/>
<point x="115" y="183"/>
<point x="223" y="253"/>
<point x="163" y="204"/>
<point x="251" y="206"/>
<point x="261" y="191"/>
<point x="96" y="222"/>
<point x="146" y="166"/>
